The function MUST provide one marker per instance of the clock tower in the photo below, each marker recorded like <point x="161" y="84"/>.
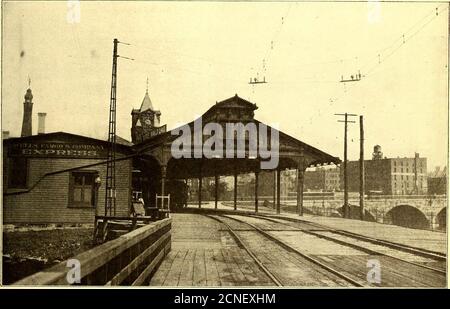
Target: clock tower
<point x="145" y="122"/>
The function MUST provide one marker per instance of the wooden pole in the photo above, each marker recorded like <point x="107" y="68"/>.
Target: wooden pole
<point x="361" y="168"/>
<point x="345" y="170"/>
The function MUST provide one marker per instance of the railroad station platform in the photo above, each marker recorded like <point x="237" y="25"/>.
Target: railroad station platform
<point x="204" y="252"/>
<point x="424" y="239"/>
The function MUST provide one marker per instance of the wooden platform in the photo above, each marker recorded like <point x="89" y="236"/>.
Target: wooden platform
<point x="203" y="254"/>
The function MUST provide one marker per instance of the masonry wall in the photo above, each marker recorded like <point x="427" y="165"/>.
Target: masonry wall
<point x="48" y="201"/>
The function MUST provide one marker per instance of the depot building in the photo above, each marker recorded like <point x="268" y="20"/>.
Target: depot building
<point x="60" y="178"/>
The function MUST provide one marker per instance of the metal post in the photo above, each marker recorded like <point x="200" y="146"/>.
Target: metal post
<point x="361" y="168"/>
<point x="110" y="188"/>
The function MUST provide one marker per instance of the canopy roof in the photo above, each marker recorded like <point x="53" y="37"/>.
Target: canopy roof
<point x="232" y="110"/>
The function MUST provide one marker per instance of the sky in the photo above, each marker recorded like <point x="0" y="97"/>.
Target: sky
<point x="195" y="54"/>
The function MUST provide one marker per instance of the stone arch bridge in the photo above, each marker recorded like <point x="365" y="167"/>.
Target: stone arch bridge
<point x="426" y="212"/>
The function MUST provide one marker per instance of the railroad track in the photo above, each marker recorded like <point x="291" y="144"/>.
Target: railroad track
<point x="283" y="244"/>
<point x="402" y="247"/>
<point x="436" y="256"/>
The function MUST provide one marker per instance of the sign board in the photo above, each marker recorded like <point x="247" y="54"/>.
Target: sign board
<point x="57" y="150"/>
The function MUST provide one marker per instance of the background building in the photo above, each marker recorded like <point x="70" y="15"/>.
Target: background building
<point x="389" y="176"/>
<point x="322" y="179"/>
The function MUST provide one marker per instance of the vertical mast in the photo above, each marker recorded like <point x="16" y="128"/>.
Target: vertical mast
<point x="110" y="195"/>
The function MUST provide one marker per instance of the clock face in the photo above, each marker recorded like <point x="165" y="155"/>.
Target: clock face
<point x="147" y="121"/>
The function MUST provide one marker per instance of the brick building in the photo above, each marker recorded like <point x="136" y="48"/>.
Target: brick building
<point x="322" y="179"/>
<point x="437" y="181"/>
<point x="60" y="178"/>
<point x="389" y="176"/>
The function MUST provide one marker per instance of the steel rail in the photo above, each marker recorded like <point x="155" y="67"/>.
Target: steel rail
<point x="253" y="256"/>
<point x="303" y="255"/>
<point x="356" y="247"/>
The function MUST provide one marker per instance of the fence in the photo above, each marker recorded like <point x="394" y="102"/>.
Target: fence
<point x="129" y="259"/>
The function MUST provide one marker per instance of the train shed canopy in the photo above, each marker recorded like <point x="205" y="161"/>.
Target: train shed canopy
<point x="235" y="111"/>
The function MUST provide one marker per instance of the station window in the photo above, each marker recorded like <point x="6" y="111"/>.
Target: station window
<point x="18" y="173"/>
<point x="82" y="192"/>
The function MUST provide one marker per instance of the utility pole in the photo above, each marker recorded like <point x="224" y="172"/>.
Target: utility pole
<point x="110" y="192"/>
<point x="361" y="167"/>
<point x="346" y="121"/>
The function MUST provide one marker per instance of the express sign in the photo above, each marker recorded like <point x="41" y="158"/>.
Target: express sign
<point x="61" y="150"/>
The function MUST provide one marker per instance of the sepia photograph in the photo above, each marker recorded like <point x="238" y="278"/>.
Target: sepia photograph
<point x="224" y="144"/>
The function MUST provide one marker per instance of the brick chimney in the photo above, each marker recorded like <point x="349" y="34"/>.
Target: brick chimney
<point x="41" y="123"/>
<point x="27" y="114"/>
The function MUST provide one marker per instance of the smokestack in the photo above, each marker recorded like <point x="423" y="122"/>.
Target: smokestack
<point x="41" y="123"/>
<point x="5" y="134"/>
<point x="27" y="113"/>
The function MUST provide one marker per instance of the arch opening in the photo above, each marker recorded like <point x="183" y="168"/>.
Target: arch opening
<point x="407" y="216"/>
<point x="441" y="219"/>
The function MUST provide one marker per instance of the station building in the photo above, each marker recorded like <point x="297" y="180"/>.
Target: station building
<point x="59" y="177"/>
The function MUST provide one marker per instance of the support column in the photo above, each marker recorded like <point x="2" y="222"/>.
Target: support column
<point x="235" y="189"/>
<point x="200" y="180"/>
<point x="274" y="188"/>
<point x="300" y="181"/>
<point x="278" y="190"/>
<point x="256" y="190"/>
<point x="163" y="179"/>
<point x="216" y="189"/>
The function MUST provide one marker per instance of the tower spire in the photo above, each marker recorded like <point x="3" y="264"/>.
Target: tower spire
<point x="146" y="89"/>
<point x="27" y="112"/>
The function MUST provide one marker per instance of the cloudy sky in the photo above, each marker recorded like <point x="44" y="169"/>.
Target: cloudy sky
<point x="197" y="53"/>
